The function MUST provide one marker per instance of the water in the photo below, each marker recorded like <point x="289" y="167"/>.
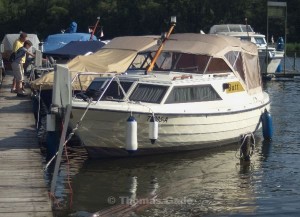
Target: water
<point x="199" y="183"/>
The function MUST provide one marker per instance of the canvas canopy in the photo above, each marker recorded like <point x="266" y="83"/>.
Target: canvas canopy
<point x="116" y="56"/>
<point x="75" y="48"/>
<point x="53" y="42"/>
<point x="240" y="56"/>
<point x="206" y="44"/>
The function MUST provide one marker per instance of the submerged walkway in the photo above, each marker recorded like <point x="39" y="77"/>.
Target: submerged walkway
<point x="23" y="190"/>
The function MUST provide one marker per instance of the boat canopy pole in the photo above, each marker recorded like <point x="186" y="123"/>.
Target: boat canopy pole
<point x="173" y="23"/>
<point x="94" y="29"/>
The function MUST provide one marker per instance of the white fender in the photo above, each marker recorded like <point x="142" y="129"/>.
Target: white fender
<point x="153" y="130"/>
<point x="131" y="134"/>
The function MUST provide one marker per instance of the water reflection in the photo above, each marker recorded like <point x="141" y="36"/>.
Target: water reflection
<point x="182" y="184"/>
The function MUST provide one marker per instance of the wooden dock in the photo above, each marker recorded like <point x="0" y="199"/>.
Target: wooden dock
<point x="288" y="74"/>
<point x="23" y="190"/>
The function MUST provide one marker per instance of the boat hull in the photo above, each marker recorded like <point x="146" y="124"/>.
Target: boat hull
<point x="103" y="132"/>
<point x="273" y="63"/>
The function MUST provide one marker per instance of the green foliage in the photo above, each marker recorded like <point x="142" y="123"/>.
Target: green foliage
<point x="293" y="48"/>
<point x="139" y="17"/>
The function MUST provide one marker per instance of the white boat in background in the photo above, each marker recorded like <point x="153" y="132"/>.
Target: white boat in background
<point x="204" y="91"/>
<point x="270" y="56"/>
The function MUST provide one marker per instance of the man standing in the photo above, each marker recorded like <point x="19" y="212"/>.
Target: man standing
<point x="17" y="45"/>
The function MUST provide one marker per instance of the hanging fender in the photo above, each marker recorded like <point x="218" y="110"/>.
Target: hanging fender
<point x="267" y="125"/>
<point x="131" y="134"/>
<point x="153" y="129"/>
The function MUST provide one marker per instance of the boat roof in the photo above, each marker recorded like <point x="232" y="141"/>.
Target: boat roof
<point x="206" y="44"/>
<point x="236" y="30"/>
<point x="115" y="56"/>
<point x="230" y="28"/>
<point x="168" y="78"/>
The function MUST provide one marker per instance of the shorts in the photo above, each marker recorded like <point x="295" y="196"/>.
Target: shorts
<point x="18" y="71"/>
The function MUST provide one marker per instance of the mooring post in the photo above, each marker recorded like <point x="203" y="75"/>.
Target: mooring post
<point x="61" y="147"/>
<point x="294" y="65"/>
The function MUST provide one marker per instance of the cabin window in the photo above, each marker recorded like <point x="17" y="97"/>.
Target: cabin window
<point x="260" y="41"/>
<point x="148" y="93"/>
<point x="190" y="62"/>
<point x="167" y="61"/>
<point x="236" y="60"/>
<point x="217" y="65"/>
<point x="113" y="92"/>
<point x="192" y="94"/>
<point x="141" y="61"/>
<point x="245" y="38"/>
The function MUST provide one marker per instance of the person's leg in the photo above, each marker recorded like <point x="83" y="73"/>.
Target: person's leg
<point x="23" y="74"/>
<point x="19" y="78"/>
<point x="13" y="86"/>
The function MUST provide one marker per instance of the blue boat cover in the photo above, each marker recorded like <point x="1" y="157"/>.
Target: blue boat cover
<point x="56" y="41"/>
<point x="75" y="48"/>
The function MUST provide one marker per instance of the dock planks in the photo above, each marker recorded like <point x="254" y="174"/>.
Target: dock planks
<point x="23" y="191"/>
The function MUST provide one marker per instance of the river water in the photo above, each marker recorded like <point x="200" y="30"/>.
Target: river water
<point x="198" y="183"/>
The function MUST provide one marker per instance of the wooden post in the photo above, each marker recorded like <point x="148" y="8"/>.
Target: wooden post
<point x="294" y="65"/>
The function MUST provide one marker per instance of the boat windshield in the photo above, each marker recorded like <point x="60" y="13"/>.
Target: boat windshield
<point x="112" y="92"/>
<point x="260" y="41"/>
<point x="182" y="62"/>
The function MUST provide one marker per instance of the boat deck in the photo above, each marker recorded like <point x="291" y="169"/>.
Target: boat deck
<point x="23" y="190"/>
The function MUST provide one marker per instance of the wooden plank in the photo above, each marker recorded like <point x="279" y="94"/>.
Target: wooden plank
<point x="27" y="214"/>
<point x="23" y="191"/>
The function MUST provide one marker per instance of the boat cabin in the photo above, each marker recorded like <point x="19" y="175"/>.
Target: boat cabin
<point x="136" y="90"/>
<point x="185" y="71"/>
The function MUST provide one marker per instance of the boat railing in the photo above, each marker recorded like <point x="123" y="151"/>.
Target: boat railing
<point x="89" y="78"/>
<point x="112" y="76"/>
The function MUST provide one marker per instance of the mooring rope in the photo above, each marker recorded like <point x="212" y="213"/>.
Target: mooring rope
<point x="72" y="133"/>
<point x="244" y="139"/>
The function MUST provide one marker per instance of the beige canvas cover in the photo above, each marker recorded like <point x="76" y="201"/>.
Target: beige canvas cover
<point x="218" y="46"/>
<point x="115" y="57"/>
<point x="121" y="51"/>
<point x="205" y="44"/>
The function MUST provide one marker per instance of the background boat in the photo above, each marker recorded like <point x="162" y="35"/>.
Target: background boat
<point x="270" y="55"/>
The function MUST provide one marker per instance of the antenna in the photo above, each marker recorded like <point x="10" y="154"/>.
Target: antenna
<point x="247" y="28"/>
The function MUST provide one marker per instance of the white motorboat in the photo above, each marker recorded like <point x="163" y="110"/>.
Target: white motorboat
<point x="270" y="56"/>
<point x="204" y="91"/>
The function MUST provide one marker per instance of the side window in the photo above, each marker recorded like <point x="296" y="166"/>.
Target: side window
<point x="148" y="93"/>
<point x="192" y="94"/>
<point x="236" y="60"/>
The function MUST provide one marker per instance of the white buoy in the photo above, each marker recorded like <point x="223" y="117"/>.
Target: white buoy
<point x="153" y="130"/>
<point x="131" y="135"/>
<point x="50" y="122"/>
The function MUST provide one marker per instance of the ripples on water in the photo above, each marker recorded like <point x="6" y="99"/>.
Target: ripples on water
<point x="207" y="183"/>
